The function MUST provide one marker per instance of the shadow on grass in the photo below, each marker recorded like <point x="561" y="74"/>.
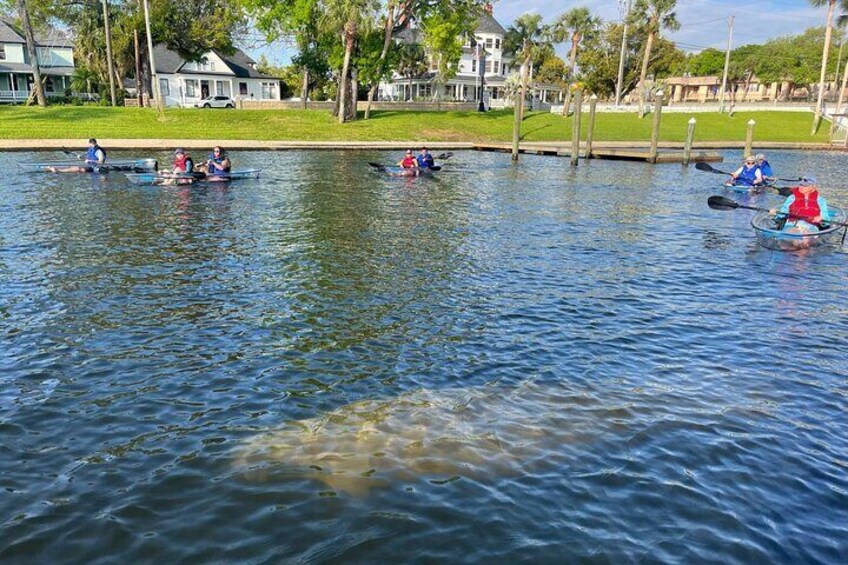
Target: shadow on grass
<point x="526" y="133"/>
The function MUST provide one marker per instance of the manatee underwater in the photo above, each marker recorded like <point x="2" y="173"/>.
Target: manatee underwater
<point x="436" y="435"/>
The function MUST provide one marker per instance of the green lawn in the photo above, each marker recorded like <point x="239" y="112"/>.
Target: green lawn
<point x="315" y="125"/>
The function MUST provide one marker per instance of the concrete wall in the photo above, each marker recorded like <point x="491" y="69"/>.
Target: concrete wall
<point x="327" y="105"/>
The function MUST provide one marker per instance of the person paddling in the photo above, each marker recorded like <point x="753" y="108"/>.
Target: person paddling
<point x="765" y="168"/>
<point x="183" y="167"/>
<point x="804" y="210"/>
<point x="218" y="164"/>
<point x="748" y="174"/>
<point x="95" y="158"/>
<point x="425" y="160"/>
<point x="408" y="161"/>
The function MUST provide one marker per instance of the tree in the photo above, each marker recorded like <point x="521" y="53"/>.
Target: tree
<point x="412" y="62"/>
<point x="29" y="35"/>
<point x="653" y="16"/>
<point x="574" y="24"/>
<point x="709" y="62"/>
<point x="526" y="37"/>
<point x="831" y="7"/>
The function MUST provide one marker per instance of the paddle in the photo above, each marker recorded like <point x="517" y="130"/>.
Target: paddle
<point x="782" y="190"/>
<point x="706" y="167"/>
<point x="77" y="156"/>
<point x="722" y="203"/>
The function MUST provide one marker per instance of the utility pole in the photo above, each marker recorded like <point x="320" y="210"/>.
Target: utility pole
<point x="619" y="85"/>
<point x="160" y="104"/>
<point x="726" y="64"/>
<point x="109" y="63"/>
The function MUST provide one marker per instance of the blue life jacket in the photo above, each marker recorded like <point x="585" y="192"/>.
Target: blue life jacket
<point x="747" y="176"/>
<point x="91" y="154"/>
<point x="425" y="161"/>
<point x="215" y="164"/>
<point x="765" y="168"/>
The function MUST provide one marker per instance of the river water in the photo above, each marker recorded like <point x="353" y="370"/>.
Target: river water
<point x="498" y="364"/>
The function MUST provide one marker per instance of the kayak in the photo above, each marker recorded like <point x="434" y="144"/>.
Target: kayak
<point x="745" y="188"/>
<point x="154" y="179"/>
<point x="395" y="171"/>
<point x="770" y="237"/>
<point x="137" y="165"/>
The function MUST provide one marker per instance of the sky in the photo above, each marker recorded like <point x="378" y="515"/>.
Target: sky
<point x="703" y="22"/>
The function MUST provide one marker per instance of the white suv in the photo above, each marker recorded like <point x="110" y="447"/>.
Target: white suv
<point x="216" y="102"/>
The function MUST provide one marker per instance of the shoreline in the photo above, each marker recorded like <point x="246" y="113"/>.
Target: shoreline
<point x="560" y="147"/>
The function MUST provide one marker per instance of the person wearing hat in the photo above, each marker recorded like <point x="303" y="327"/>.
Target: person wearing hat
<point x="804" y="210"/>
<point x="408" y="161"/>
<point x="425" y="160"/>
<point x="748" y="174"/>
<point x="765" y="168"/>
<point x="95" y="158"/>
<point x="183" y="163"/>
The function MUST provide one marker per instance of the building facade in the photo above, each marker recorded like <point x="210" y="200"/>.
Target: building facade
<point x="55" y="60"/>
<point x="483" y="69"/>
<point x="184" y="83"/>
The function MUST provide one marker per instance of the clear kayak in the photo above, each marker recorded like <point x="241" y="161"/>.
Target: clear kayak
<point x="745" y="188"/>
<point x="395" y="171"/>
<point x="137" y="165"/>
<point x="769" y="236"/>
<point x="160" y="179"/>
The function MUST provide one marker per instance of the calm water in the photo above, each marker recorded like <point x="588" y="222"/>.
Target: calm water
<point x="499" y="364"/>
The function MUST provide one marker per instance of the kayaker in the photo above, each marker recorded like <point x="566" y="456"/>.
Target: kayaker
<point x="409" y="161"/>
<point x="95" y="157"/>
<point x="218" y="164"/>
<point x="425" y="160"/>
<point x="804" y="210"/>
<point x="183" y="163"/>
<point x="765" y="168"/>
<point x="748" y="174"/>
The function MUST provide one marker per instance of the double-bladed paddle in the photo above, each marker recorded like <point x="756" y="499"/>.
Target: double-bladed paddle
<point x="722" y="203"/>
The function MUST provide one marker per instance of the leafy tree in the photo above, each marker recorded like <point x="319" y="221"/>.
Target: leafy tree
<point x="575" y="25"/>
<point x="831" y="7"/>
<point x="653" y="16"/>
<point x="411" y="63"/>
<point x="709" y="62"/>
<point x="552" y="70"/>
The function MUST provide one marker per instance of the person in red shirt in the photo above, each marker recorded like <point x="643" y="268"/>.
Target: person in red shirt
<point x="805" y="209"/>
<point x="409" y="161"/>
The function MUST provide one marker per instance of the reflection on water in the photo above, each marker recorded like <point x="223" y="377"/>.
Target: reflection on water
<point x="499" y="363"/>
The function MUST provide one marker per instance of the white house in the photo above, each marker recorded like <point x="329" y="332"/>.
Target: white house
<point x="55" y="59"/>
<point x="183" y="83"/>
<point x="467" y="84"/>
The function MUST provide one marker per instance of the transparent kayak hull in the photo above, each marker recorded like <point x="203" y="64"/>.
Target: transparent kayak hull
<point x="154" y="179"/>
<point x="771" y="238"/>
<point x="745" y="189"/>
<point x="138" y="165"/>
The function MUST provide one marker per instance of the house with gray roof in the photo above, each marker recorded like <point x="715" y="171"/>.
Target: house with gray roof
<point x="55" y="60"/>
<point x="483" y="69"/>
<point x="184" y="83"/>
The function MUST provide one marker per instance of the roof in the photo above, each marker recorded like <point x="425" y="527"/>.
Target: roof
<point x="26" y="68"/>
<point x="10" y="34"/>
<point x="239" y="63"/>
<point x="488" y="24"/>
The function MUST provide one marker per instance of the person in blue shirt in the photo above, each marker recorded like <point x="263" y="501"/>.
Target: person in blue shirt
<point x="425" y="160"/>
<point x="748" y="174"/>
<point x="95" y="158"/>
<point x="765" y="168"/>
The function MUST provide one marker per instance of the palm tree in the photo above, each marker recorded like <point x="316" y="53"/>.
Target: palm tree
<point x="842" y="22"/>
<point x="575" y="24"/>
<point x="831" y="7"/>
<point x="352" y="17"/>
<point x="653" y="16"/>
<point x="525" y="38"/>
<point x="411" y="63"/>
<point x="23" y="13"/>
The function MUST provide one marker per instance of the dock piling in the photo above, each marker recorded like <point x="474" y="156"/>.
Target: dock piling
<point x="749" y="138"/>
<point x="690" y="137"/>
<point x="655" y="131"/>
<point x="575" y="127"/>
<point x="590" y="134"/>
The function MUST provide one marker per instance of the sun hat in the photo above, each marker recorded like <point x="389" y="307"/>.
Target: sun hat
<point x="808" y="181"/>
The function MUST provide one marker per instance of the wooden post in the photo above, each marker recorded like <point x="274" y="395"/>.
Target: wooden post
<point x="655" y="131"/>
<point x="593" y="103"/>
<point x="575" y="127"/>
<point x="749" y="138"/>
<point x="690" y="137"/>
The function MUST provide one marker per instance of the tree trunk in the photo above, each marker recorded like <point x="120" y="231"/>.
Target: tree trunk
<point x="23" y="12"/>
<point x="839" y="103"/>
<point x="644" y="75"/>
<point x="387" y="41"/>
<point x="827" y="35"/>
<point x="138" y="76"/>
<point x="349" y="31"/>
<point x="350" y="110"/>
<point x="304" y="90"/>
<point x="572" y="62"/>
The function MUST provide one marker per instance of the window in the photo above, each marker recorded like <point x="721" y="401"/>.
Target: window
<point x="269" y="91"/>
<point x="497" y="43"/>
<point x="488" y="43"/>
<point x="191" y="88"/>
<point x="219" y="87"/>
<point x="474" y="65"/>
<point x="243" y="88"/>
<point x="164" y="87"/>
<point x="497" y="67"/>
<point x="48" y="84"/>
<point x="2" y="51"/>
<point x="488" y="66"/>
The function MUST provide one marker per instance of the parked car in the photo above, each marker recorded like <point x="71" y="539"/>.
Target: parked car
<point x="216" y="102"/>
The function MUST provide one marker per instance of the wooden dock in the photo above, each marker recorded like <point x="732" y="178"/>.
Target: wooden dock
<point x="622" y="154"/>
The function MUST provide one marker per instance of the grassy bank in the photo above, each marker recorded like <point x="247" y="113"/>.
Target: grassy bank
<point x="314" y="125"/>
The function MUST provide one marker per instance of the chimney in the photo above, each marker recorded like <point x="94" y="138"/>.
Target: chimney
<point x="488" y="8"/>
